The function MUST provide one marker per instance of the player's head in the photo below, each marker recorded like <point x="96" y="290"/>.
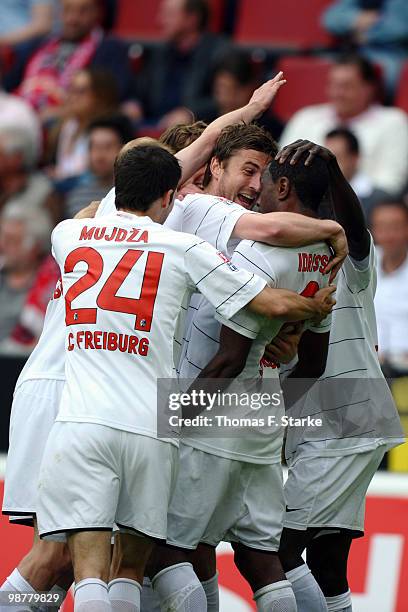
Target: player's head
<point x="179" y="137"/>
<point x="389" y="224"/>
<point x="240" y="155"/>
<point x="146" y="178"/>
<point x="294" y="188"/>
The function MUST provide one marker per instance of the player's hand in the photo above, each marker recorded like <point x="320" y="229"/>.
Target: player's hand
<point x="262" y="97"/>
<point x="324" y="302"/>
<point x="187" y="189"/>
<point x="284" y="346"/>
<point x="295" y="150"/>
<point x="88" y="212"/>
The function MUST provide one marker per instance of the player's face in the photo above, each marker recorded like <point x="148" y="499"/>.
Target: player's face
<point x="268" y="200"/>
<point x="104" y="146"/>
<point x="389" y="225"/>
<point x="239" y="178"/>
<point x="348" y="92"/>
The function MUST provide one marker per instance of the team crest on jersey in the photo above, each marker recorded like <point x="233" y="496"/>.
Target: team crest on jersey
<point x="227" y="261"/>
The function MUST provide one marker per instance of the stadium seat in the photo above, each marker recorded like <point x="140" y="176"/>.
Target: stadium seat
<point x="287" y="24"/>
<point x="401" y="98"/>
<point x="138" y="19"/>
<point x="306" y="84"/>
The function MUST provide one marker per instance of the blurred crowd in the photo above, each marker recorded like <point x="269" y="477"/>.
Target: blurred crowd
<point x="74" y="90"/>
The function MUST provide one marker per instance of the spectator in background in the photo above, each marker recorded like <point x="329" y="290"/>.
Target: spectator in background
<point x="16" y="113"/>
<point x="176" y="81"/>
<point x="24" y="242"/>
<point x="346" y="148"/>
<point x="81" y="43"/>
<point x="389" y="223"/>
<point x="382" y="132"/>
<point x="20" y="181"/>
<point x="91" y="94"/>
<point x="106" y="138"/>
<point x="378" y="28"/>
<point x="235" y="79"/>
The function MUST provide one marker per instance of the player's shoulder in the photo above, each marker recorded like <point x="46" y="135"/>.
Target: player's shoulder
<point x="65" y="227"/>
<point x="207" y="200"/>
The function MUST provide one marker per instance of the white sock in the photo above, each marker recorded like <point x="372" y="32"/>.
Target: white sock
<point x="309" y="597"/>
<point x="179" y="589"/>
<point x="149" y="601"/>
<point x="339" y="602"/>
<point x="16" y="583"/>
<point x="212" y="593"/>
<point x="91" y="595"/>
<point x="276" y="597"/>
<point x="124" y="595"/>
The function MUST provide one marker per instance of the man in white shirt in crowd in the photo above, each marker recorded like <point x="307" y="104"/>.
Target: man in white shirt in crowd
<point x="389" y="224"/>
<point x="352" y="102"/>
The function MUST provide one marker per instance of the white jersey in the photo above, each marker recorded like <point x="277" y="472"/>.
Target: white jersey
<point x="209" y="222"/>
<point x="362" y="414"/>
<point x="298" y="269"/>
<point x="124" y="278"/>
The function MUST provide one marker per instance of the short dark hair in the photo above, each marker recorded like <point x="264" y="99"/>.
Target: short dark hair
<point x="241" y="136"/>
<point x="239" y="64"/>
<point x="201" y="9"/>
<point x="144" y="174"/>
<point x="348" y="136"/>
<point x="310" y="182"/>
<point x="180" y="136"/>
<point x="120" y="124"/>
<point x="368" y="71"/>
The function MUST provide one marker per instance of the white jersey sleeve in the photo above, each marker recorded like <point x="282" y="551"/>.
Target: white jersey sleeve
<point x="359" y="275"/>
<point x="223" y="284"/>
<point x="212" y="218"/>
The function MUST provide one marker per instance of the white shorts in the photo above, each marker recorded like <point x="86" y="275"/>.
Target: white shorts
<point x="329" y="491"/>
<point x="35" y="407"/>
<point x="219" y="499"/>
<point x="93" y="476"/>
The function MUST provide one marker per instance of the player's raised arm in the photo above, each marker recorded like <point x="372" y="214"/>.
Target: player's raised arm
<point x="346" y="205"/>
<point x="197" y="154"/>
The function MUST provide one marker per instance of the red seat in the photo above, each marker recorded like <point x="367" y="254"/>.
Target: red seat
<point x="282" y="23"/>
<point x="401" y="98"/>
<point x="138" y="19"/>
<point x="306" y="84"/>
